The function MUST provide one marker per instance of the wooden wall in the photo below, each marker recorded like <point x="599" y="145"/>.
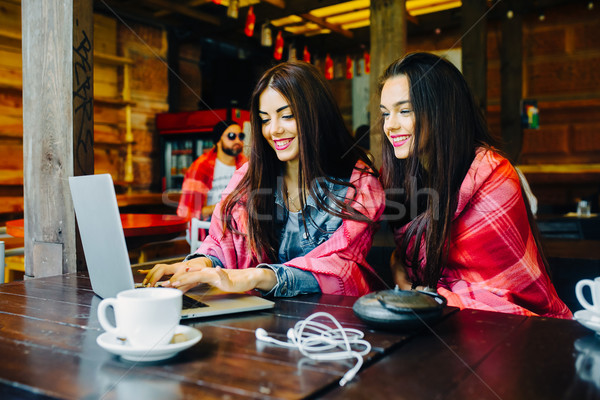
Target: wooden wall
<point x="11" y="122"/>
<point x="561" y="70"/>
<point x="146" y="50"/>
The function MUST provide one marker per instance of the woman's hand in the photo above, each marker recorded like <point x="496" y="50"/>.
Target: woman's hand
<point x="227" y="280"/>
<point x="400" y="275"/>
<point x="160" y="270"/>
<point x="399" y="272"/>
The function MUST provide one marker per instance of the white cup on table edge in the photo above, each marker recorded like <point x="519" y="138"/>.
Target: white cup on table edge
<point x="145" y="317"/>
<point x="594" y="306"/>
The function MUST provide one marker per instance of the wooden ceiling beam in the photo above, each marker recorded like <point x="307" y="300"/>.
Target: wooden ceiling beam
<point x="184" y="10"/>
<point x="347" y="12"/>
<point x="191" y="3"/>
<point x="306" y="6"/>
<point x="194" y="3"/>
<point x="333" y="27"/>
<point x="276" y="3"/>
<point x="412" y="18"/>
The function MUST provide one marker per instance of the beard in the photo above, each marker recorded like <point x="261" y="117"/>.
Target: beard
<point x="232" y="151"/>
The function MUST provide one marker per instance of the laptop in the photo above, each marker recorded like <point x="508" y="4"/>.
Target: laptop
<point x="107" y="258"/>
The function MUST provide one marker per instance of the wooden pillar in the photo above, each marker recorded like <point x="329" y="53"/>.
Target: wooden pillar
<point x="474" y="49"/>
<point x="388" y="43"/>
<point x="511" y="78"/>
<point x="57" y="126"/>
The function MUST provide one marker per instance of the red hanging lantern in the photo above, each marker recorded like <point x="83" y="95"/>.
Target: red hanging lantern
<point x="306" y="54"/>
<point x="328" y="67"/>
<point x="367" y="63"/>
<point x="250" y="19"/>
<point x="349" y="67"/>
<point x="278" y="53"/>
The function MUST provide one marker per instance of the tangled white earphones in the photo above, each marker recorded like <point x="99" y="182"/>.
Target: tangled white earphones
<point x="319" y="341"/>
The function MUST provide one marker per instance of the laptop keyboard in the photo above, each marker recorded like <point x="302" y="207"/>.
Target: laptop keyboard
<point x="189" y="302"/>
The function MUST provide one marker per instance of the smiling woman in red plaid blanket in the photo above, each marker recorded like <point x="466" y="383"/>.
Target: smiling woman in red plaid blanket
<point x="461" y="222"/>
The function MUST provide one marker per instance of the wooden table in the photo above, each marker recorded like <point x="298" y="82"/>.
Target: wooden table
<point x="138" y="228"/>
<point x="48" y="330"/>
<point x="16" y="228"/>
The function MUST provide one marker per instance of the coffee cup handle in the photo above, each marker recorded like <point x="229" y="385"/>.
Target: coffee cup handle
<point x="104" y="304"/>
<point x="579" y="293"/>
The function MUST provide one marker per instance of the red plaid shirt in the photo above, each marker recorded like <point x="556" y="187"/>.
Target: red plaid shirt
<point x="493" y="262"/>
<point x="198" y="182"/>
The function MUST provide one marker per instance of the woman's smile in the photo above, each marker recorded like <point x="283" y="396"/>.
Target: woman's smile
<point x="399" y="140"/>
<point x="282" y="144"/>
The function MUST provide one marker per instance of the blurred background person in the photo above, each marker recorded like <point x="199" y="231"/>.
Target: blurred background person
<point x="209" y="175"/>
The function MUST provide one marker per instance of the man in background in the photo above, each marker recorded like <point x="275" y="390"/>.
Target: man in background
<point x="209" y="175"/>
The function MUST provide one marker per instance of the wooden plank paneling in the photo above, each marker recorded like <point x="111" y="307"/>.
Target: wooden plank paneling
<point x="586" y="138"/>
<point x="14" y="163"/>
<point x="559" y="78"/>
<point x="568" y="133"/>
<point x="11" y="204"/>
<point x="544" y="42"/>
<point x="189" y="68"/>
<point x="10" y="17"/>
<point x="553" y="140"/>
<point x="106" y="81"/>
<point x="105" y="34"/>
<point x="493" y="83"/>
<point x="11" y="176"/>
<point x="106" y="135"/>
<point x="585" y="36"/>
<point x="10" y="68"/>
<point x="11" y="117"/>
<point x="108" y="160"/>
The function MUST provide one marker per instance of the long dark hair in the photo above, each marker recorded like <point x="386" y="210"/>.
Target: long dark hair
<point x="449" y="127"/>
<point x="327" y="152"/>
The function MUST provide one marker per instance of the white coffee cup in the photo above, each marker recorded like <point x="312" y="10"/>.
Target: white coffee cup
<point x="595" y="290"/>
<point x="145" y="317"/>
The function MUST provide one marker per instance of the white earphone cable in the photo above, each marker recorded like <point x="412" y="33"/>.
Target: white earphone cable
<point x="318" y="341"/>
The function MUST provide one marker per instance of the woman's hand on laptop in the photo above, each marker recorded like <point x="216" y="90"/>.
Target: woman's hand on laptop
<point x="155" y="274"/>
<point x="227" y="280"/>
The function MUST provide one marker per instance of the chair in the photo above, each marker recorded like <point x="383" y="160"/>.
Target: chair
<point x="195" y="226"/>
<point x="12" y="263"/>
<point x="1" y="262"/>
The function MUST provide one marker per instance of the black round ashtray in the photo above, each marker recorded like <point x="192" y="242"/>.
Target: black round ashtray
<point x="404" y="310"/>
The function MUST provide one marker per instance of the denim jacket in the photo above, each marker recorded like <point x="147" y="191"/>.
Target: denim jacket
<point x="335" y="255"/>
<point x="297" y="240"/>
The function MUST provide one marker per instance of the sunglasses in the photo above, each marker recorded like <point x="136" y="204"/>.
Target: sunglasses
<point x="233" y="135"/>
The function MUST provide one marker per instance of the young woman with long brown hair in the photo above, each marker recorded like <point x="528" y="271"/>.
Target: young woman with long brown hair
<point x="300" y="216"/>
<point x="462" y="225"/>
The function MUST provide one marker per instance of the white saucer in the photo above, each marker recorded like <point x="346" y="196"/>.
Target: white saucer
<point x="588" y="319"/>
<point x="110" y="343"/>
